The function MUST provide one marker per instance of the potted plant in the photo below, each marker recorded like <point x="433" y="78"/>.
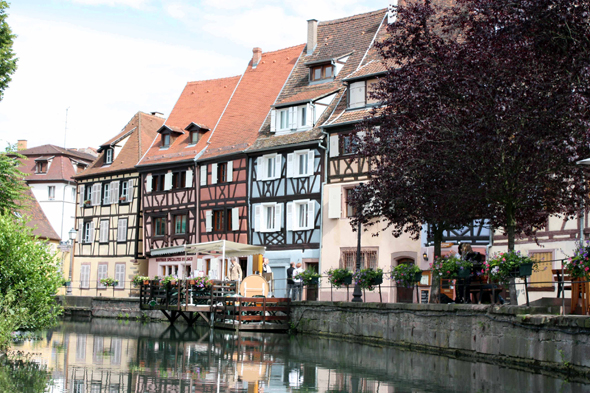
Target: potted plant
<point x="168" y="281"/>
<point x="406" y="275"/>
<point x="339" y="277"/>
<point x="578" y="266"/>
<point x="451" y="267"/>
<point x="368" y="278"/>
<point x="109" y="282"/>
<point x="308" y="277"/>
<point x="87" y="202"/>
<point x="138" y="280"/>
<point x="502" y="266"/>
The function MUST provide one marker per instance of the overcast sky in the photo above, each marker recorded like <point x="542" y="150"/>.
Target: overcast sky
<point x="107" y="59"/>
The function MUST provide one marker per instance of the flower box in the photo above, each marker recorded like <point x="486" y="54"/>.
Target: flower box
<point x="418" y="277"/>
<point x="192" y="282"/>
<point x="347" y="280"/>
<point x="525" y="269"/>
<point x="146" y="282"/>
<point x="463" y="273"/>
<point x="378" y="280"/>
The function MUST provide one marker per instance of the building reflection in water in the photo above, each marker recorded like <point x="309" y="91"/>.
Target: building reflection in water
<point x="106" y="356"/>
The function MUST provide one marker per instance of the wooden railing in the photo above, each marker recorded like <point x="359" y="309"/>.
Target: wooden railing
<point x="252" y="313"/>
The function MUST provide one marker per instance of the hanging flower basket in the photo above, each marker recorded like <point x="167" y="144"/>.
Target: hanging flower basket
<point x="578" y="266"/>
<point x="501" y="267"/>
<point x="377" y="280"/>
<point x="367" y="278"/>
<point x="339" y="277"/>
<point x="450" y="267"/>
<point x="464" y="273"/>
<point x="406" y="275"/>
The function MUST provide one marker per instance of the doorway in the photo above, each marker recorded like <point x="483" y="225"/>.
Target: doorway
<point x="405" y="295"/>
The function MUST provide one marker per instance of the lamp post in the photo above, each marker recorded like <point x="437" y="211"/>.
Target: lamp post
<point x="72" y="234"/>
<point x="357" y="294"/>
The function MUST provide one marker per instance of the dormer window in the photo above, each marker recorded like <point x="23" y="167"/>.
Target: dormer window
<point x="292" y="118"/>
<point x="41" y="167"/>
<point x="321" y="72"/>
<point x="195" y="136"/>
<point x="108" y="156"/>
<point x="359" y="93"/>
<point x="166" y="140"/>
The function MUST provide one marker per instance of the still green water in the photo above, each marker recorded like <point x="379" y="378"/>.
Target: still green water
<point x="119" y="356"/>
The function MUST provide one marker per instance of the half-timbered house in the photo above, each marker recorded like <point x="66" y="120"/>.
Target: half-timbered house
<point x="108" y="212"/>
<point x="345" y="170"/>
<point x="169" y="176"/>
<point x="288" y="158"/>
<point x="224" y="169"/>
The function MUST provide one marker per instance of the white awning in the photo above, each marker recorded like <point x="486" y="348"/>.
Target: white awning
<point x="167" y="251"/>
<point x="230" y="249"/>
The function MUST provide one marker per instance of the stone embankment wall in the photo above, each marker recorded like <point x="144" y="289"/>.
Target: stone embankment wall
<point x="528" y="337"/>
<point x="105" y="307"/>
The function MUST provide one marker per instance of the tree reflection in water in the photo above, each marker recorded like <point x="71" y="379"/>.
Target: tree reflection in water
<point x="116" y="356"/>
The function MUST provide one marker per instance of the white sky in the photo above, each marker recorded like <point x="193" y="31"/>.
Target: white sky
<point x="107" y="59"/>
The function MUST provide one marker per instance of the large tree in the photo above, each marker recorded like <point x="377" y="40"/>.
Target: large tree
<point x="12" y="184"/>
<point x="7" y="57"/>
<point x="494" y="95"/>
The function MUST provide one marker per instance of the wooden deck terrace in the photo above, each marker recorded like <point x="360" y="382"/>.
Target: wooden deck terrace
<point x="219" y="306"/>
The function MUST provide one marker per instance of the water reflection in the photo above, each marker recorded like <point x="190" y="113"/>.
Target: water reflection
<point x="112" y="356"/>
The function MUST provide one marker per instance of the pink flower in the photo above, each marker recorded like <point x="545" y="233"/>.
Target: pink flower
<point x="587" y="268"/>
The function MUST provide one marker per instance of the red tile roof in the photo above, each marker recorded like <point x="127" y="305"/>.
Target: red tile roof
<point x="374" y="67"/>
<point x="38" y="220"/>
<point x="308" y="95"/>
<point x="51" y="150"/>
<point x="202" y="103"/>
<point x="250" y="105"/>
<point x="140" y="131"/>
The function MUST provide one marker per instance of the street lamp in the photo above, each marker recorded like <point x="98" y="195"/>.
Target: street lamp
<point x="357" y="294"/>
<point x="72" y="234"/>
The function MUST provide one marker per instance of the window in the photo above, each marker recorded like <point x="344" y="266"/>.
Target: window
<point x="106" y="194"/>
<point x="291" y="118"/>
<point x="116" y="345"/>
<point x="267" y="217"/>
<point x="126" y="191"/>
<point x="85" y="276"/>
<point x="122" y="230"/>
<point x="166" y="140"/>
<point x="300" y="215"/>
<point x="73" y="194"/>
<point x="218" y="221"/>
<point x="120" y="275"/>
<point x="88" y="195"/>
<point x="41" y="167"/>
<point x="359" y="93"/>
<point x="100" y="274"/>
<point x="88" y="235"/>
<point x="229" y="220"/>
<point x="221" y="172"/>
<point x="159" y="226"/>
<point x="284" y="121"/>
<point x="81" y="346"/>
<point x="158" y="182"/>
<point x="195" y="136"/>
<point x="322" y="72"/>
<point x="51" y="192"/>
<point x="104" y="231"/>
<point x="350" y="210"/>
<point x="542" y="277"/>
<point x="269" y="167"/>
<point x="348" y="258"/>
<point x="108" y="156"/>
<point x="300" y="163"/>
<point x="348" y="144"/>
<point x="178" y="179"/>
<point x="180" y="224"/>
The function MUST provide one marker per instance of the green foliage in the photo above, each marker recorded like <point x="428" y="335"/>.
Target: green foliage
<point x="336" y="277"/>
<point x="19" y="374"/>
<point x="307" y="276"/>
<point x="29" y="276"/>
<point x="7" y="59"/>
<point x="202" y="282"/>
<point x="13" y="188"/>
<point x="168" y="279"/>
<point x="501" y="266"/>
<point x="109" y="282"/>
<point x="404" y="274"/>
<point x="449" y="266"/>
<point x="578" y="266"/>
<point x="138" y="280"/>
<point x="365" y="278"/>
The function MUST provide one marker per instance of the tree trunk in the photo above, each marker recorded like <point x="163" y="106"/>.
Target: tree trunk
<point x="510" y="229"/>
<point x="435" y="284"/>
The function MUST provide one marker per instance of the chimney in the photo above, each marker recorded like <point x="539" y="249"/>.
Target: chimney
<point x="21" y="144"/>
<point x="392" y="11"/>
<point x="256" y="56"/>
<point x="312" y="35"/>
<point x="157" y="114"/>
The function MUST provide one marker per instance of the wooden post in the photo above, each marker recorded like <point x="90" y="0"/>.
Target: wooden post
<point x="257" y="264"/>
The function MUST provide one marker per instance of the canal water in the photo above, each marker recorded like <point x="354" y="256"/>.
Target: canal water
<point x="113" y="356"/>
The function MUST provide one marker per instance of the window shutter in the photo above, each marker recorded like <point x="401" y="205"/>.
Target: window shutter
<point x="310" y="116"/>
<point x="257" y="217"/>
<point x="278" y="165"/>
<point x="213" y="173"/>
<point x="273" y="120"/>
<point x="168" y="181"/>
<point x="290" y="159"/>
<point x="80" y="232"/>
<point x="335" y="202"/>
<point x="235" y="219"/>
<point x="188" y="182"/>
<point x="104" y="231"/>
<point x="259" y="168"/>
<point x="208" y="221"/>
<point x="334" y="148"/>
<point x="203" y="180"/>
<point x="310" y="163"/>
<point x="122" y="230"/>
<point x="81" y="199"/>
<point x="289" y="216"/>
<point x="230" y="171"/>
<point x="100" y="274"/>
<point x="293" y="117"/>
<point x="278" y="216"/>
<point x="96" y="188"/>
<point x="115" y="192"/>
<point x="357" y="95"/>
<point x="148" y="183"/>
<point x="310" y="214"/>
<point x="120" y="275"/>
<point x="91" y="233"/>
<point x="130" y="190"/>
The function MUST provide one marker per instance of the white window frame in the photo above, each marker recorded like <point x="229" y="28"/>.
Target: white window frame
<point x="262" y="166"/>
<point x="104" y="231"/>
<point x="307" y="207"/>
<point x="50" y="194"/>
<point x="293" y="159"/>
<point x="88" y="232"/>
<point x="357" y="92"/>
<point x="107" y="194"/>
<point x="283" y="119"/>
<point x="125" y="190"/>
<point x="275" y="218"/>
<point x="108" y="156"/>
<point x="122" y="230"/>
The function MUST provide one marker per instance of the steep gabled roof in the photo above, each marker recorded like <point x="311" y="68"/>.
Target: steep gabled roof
<point x="201" y="103"/>
<point x="51" y="150"/>
<point x="38" y="220"/>
<point x="139" y="133"/>
<point x="250" y="105"/>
